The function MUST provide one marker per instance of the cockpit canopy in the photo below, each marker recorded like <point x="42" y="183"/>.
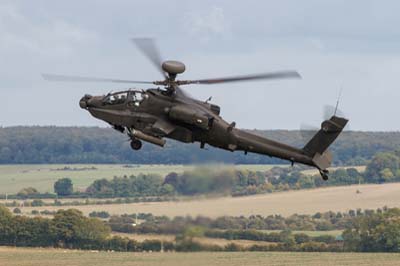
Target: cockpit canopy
<point x="132" y="97"/>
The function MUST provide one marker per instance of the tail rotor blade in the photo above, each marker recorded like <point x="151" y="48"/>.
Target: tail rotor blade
<point x="330" y="110"/>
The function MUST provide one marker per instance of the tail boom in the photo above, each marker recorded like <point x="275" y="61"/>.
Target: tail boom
<point x="315" y="153"/>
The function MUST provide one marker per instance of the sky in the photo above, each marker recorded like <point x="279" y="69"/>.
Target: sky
<point x="333" y="44"/>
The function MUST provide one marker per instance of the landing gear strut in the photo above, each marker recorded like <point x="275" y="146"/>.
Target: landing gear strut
<point x="324" y="174"/>
<point x="136" y="144"/>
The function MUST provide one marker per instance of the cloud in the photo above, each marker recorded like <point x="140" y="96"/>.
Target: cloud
<point x="21" y="32"/>
<point x="206" y="25"/>
<point x="331" y="43"/>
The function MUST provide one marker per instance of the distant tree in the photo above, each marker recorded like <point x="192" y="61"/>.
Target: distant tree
<point x="101" y="214"/>
<point x="37" y="203"/>
<point x="6" y="225"/>
<point x="287" y="238"/>
<point x="26" y="192"/>
<point x="167" y="189"/>
<point x="378" y="164"/>
<point x="172" y="179"/>
<point x="306" y="182"/>
<point x="325" y="239"/>
<point x="301" y="238"/>
<point x="73" y="229"/>
<point x="101" y="187"/>
<point x="376" y="232"/>
<point x="387" y="175"/>
<point x="63" y="187"/>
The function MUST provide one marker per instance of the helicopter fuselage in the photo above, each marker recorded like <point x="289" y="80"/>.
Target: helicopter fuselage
<point x="155" y="114"/>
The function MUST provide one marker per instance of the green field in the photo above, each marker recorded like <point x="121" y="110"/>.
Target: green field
<point x="57" y="257"/>
<point x="42" y="176"/>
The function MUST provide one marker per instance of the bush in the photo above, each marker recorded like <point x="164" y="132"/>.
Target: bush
<point x="101" y="214"/>
<point x="327" y="239"/>
<point x="301" y="238"/>
<point x="313" y="247"/>
<point x="27" y="192"/>
<point x="37" y="203"/>
<point x="151" y="245"/>
<point x="233" y="247"/>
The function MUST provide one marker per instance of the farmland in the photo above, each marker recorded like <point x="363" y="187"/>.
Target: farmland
<point x="58" y="257"/>
<point x="15" y="177"/>
<point x="309" y="201"/>
<point x="202" y="240"/>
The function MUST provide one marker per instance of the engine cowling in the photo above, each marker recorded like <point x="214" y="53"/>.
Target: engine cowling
<point x="190" y="116"/>
<point x="215" y="109"/>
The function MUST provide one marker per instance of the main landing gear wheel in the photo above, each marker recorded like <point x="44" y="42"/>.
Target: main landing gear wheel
<point x="136" y="144"/>
<point x="324" y="174"/>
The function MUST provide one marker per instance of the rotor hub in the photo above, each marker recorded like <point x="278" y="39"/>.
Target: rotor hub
<point x="173" y="67"/>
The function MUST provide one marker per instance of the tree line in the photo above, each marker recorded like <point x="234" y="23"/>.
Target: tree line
<point x="383" y="167"/>
<point x="149" y="224"/>
<point x="365" y="231"/>
<point x="19" y="145"/>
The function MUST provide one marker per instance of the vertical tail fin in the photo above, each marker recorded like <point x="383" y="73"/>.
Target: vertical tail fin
<point x="318" y="145"/>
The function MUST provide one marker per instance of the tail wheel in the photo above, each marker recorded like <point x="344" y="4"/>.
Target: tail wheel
<point x="324" y="174"/>
<point x="136" y="144"/>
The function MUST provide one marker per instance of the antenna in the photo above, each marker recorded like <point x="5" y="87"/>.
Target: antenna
<point x="338" y="100"/>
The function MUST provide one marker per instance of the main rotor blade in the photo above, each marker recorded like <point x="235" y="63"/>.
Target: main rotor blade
<point x="271" y="75"/>
<point x="53" y="77"/>
<point x="149" y="48"/>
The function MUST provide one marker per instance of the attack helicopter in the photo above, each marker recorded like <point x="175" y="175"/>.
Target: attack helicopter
<point x="154" y="114"/>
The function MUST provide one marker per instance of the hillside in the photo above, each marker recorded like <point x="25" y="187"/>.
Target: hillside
<point x="20" y="145"/>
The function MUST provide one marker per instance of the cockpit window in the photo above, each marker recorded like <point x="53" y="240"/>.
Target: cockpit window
<point x="138" y="97"/>
<point x="118" y="98"/>
<point x="132" y="97"/>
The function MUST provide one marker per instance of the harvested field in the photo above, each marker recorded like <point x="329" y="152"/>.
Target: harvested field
<point x="285" y="203"/>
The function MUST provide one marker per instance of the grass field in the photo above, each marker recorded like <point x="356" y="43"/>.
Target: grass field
<point x="284" y="203"/>
<point x="54" y="257"/>
<point x="42" y="177"/>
